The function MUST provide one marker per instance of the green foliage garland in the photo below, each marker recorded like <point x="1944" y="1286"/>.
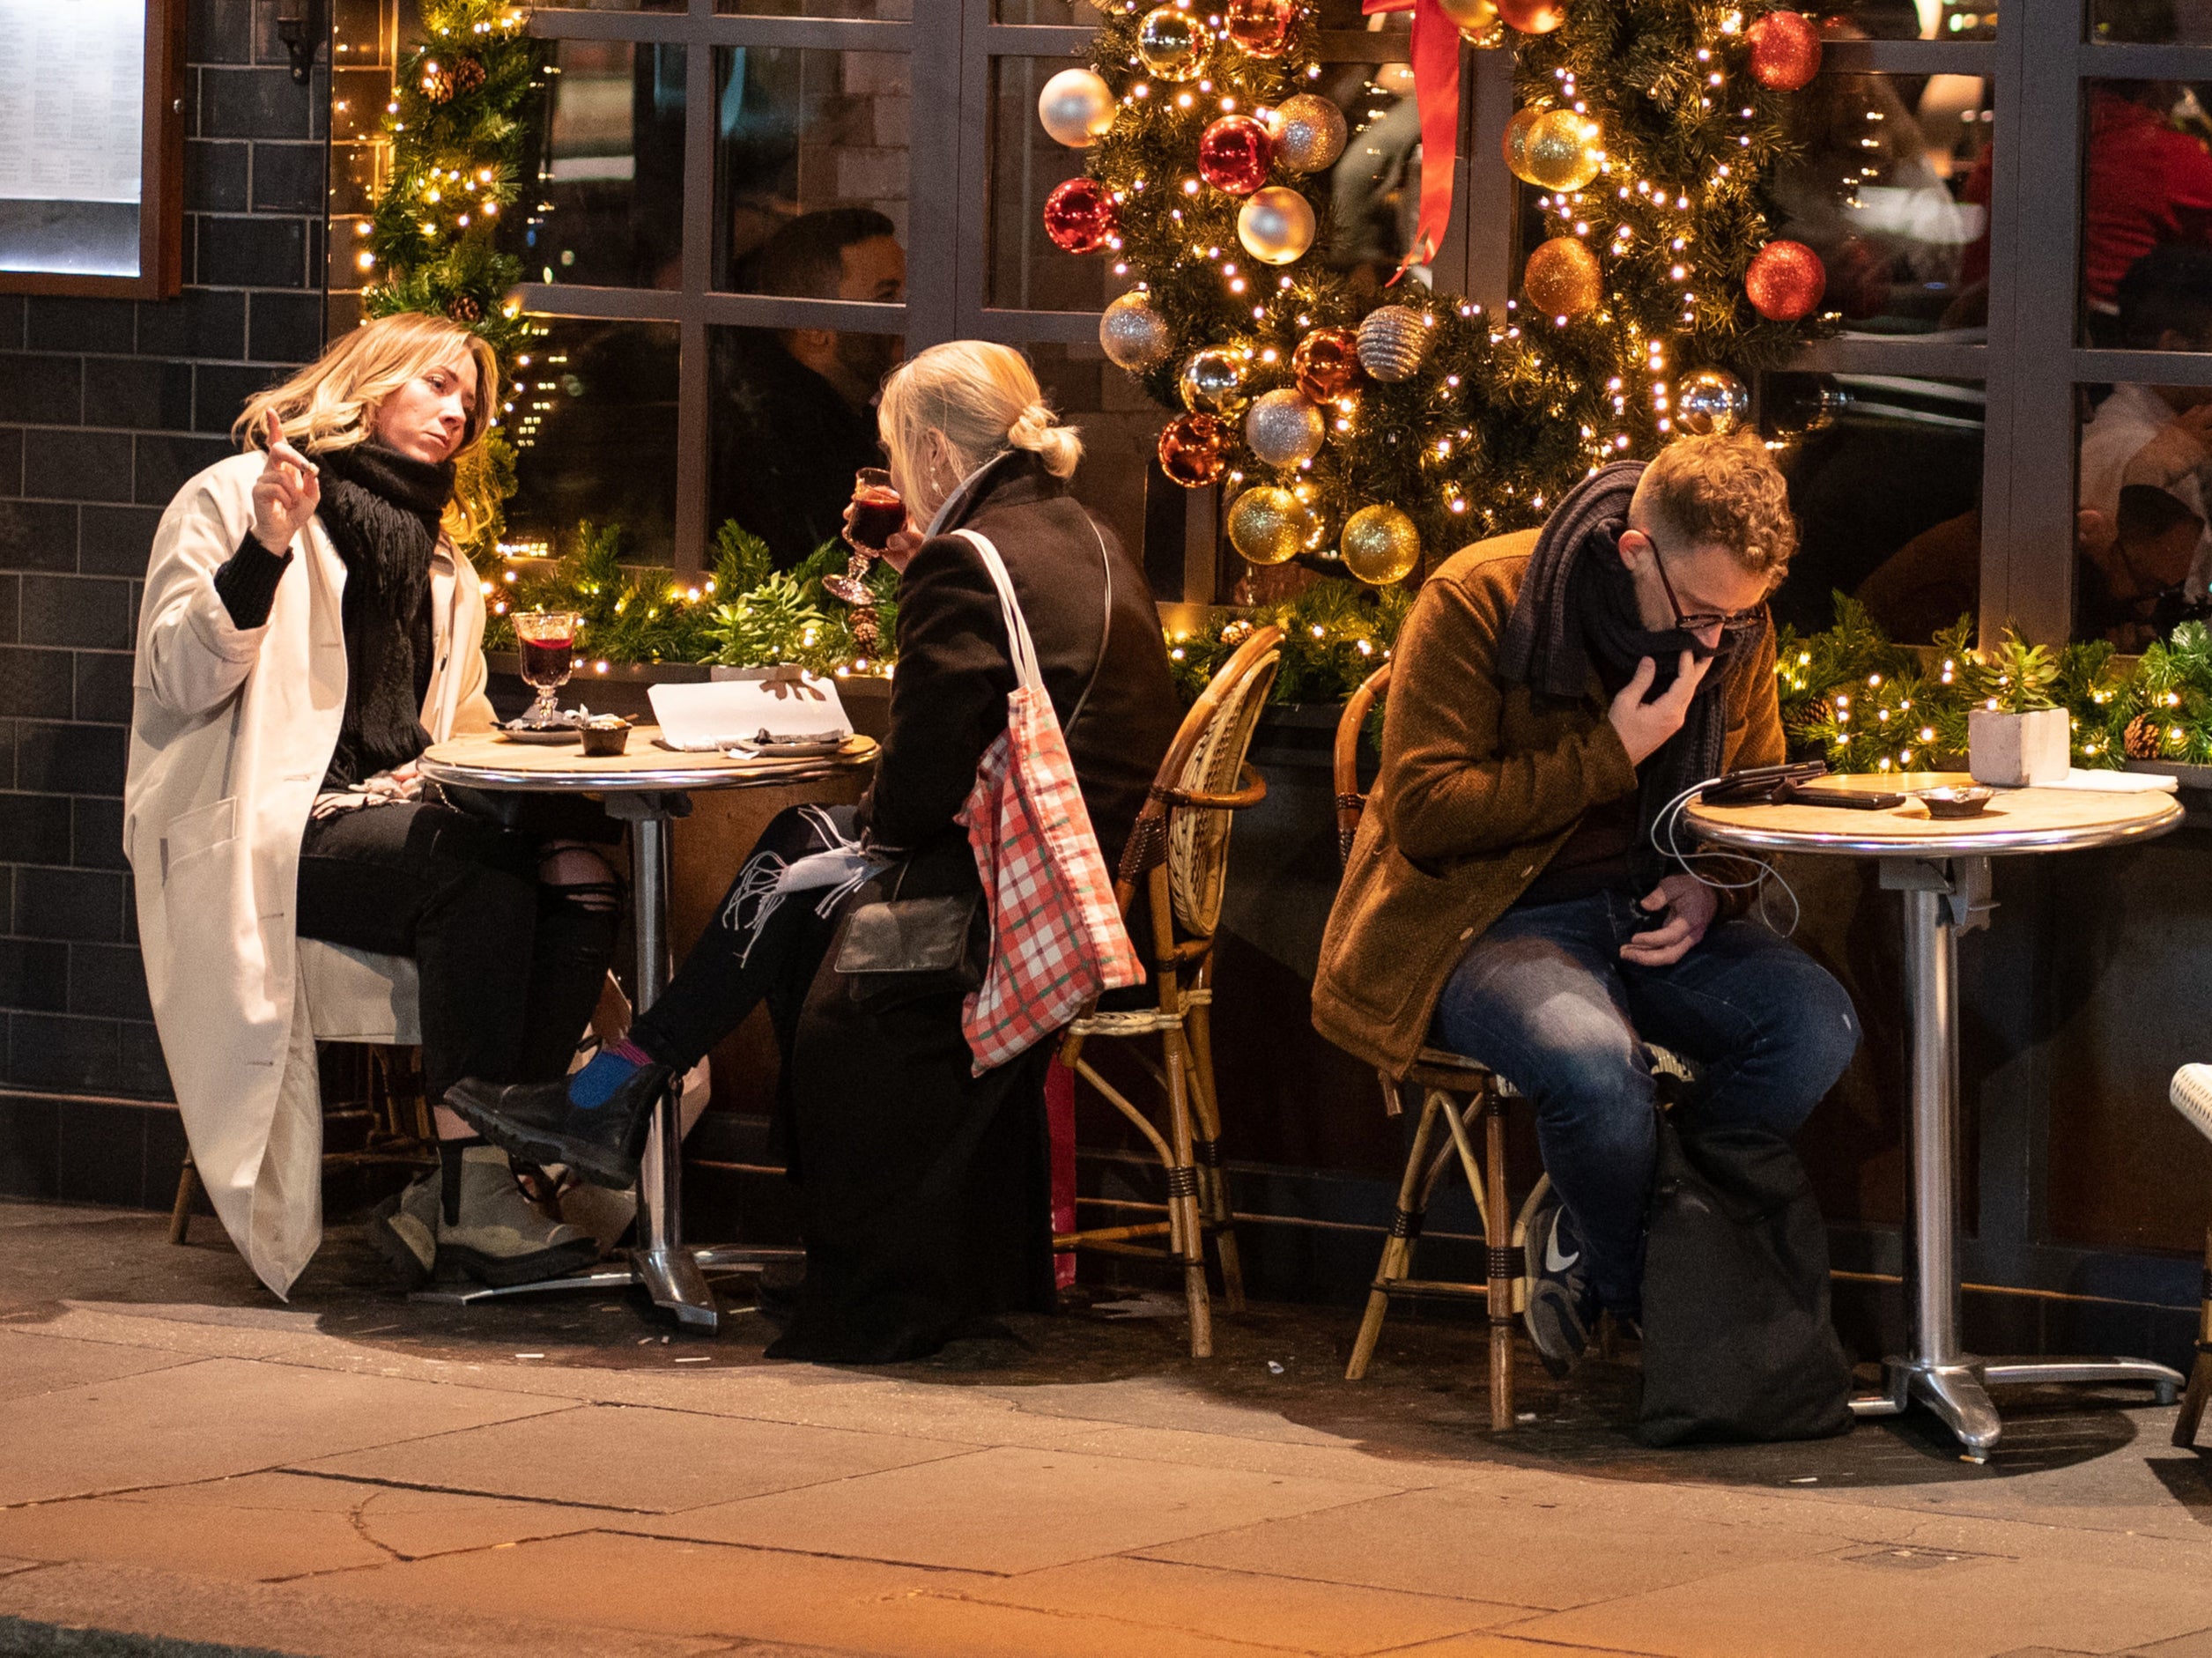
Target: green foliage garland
<point x="1506" y="412"/>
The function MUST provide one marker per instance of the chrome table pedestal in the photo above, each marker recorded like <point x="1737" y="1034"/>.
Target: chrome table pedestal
<point x="1943" y="898"/>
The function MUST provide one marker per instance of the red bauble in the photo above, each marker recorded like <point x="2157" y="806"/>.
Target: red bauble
<point x="1079" y="215"/>
<point x="1785" y="51"/>
<point x="1263" y="27"/>
<point x="1533" y="17"/>
<point x="1326" y="364"/>
<point x="1785" y="281"/>
<point x="1194" y="450"/>
<point x="1234" y="154"/>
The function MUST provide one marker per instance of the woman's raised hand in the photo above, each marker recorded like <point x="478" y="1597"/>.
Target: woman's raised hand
<point x="285" y="494"/>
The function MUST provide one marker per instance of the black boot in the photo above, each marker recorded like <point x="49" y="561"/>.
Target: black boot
<point x="539" y="1122"/>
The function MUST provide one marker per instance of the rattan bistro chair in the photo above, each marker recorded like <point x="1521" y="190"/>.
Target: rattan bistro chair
<point x="1456" y="1092"/>
<point x="1177" y="856"/>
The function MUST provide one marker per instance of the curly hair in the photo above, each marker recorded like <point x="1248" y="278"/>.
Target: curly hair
<point x="1724" y="491"/>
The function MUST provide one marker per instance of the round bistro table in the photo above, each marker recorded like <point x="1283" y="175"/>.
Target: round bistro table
<point x="647" y="787"/>
<point x="1942" y="867"/>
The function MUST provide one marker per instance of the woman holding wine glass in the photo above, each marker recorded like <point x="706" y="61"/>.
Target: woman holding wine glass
<point x="307" y="629"/>
<point x="922" y="1187"/>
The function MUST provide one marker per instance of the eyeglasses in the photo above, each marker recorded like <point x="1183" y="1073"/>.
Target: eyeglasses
<point x="1698" y="621"/>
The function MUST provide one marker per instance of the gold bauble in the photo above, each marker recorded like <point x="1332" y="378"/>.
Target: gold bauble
<point x="1133" y="334"/>
<point x="1712" y="400"/>
<point x="1515" y="143"/>
<point x="1283" y="428"/>
<point x="1380" y="546"/>
<point x="1212" y="382"/>
<point x="1563" y="150"/>
<point x="1471" y="17"/>
<point x="1276" y="224"/>
<point x="1309" y="132"/>
<point x="1076" y="107"/>
<point x="1268" y="525"/>
<point x="1173" y="43"/>
<point x="1563" y="278"/>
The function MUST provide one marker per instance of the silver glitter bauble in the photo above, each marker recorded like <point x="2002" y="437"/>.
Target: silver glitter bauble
<point x="1284" y="429"/>
<point x="1309" y="133"/>
<point x="1076" y="107"/>
<point x="1392" y="341"/>
<point x="1132" y="334"/>
<point x="1712" y="400"/>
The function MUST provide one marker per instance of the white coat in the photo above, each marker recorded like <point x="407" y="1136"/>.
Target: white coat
<point x="232" y="731"/>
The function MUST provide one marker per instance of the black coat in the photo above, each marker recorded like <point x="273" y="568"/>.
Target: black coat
<point x="924" y="1189"/>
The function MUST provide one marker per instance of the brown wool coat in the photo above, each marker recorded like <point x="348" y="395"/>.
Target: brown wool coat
<point x="1481" y="785"/>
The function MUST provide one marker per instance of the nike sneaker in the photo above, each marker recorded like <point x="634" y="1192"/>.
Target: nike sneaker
<point x="1563" y="1306"/>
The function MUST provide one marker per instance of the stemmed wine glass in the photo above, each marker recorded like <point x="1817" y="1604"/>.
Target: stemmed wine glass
<point x="878" y="514"/>
<point x="548" y="639"/>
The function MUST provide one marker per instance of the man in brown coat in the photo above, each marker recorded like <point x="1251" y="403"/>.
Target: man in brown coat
<point x="1515" y="893"/>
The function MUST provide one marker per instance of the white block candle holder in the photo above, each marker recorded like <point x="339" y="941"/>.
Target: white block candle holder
<point x="2017" y="751"/>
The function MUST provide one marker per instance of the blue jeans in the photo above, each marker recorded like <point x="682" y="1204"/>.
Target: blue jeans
<point x="1544" y="1000"/>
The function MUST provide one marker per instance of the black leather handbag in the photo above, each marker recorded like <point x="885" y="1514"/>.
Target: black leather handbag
<point x="893" y="948"/>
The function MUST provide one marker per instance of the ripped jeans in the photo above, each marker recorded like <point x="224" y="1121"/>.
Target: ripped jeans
<point x="754" y="951"/>
<point x="1544" y="1000"/>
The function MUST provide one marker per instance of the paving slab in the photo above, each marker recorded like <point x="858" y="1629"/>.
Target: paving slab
<point x="34" y="1364"/>
<point x="301" y="1618"/>
<point x="1890" y="1601"/>
<point x="1268" y="1611"/>
<point x="1512" y="1551"/>
<point x="644" y="1461"/>
<point x="659" y="1585"/>
<point x="1010" y="1510"/>
<point x="221" y="1416"/>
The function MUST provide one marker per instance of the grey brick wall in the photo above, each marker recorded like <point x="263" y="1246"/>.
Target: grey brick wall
<point x="106" y="408"/>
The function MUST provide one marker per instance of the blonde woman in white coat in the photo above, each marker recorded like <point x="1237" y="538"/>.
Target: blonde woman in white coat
<point x="307" y="629"/>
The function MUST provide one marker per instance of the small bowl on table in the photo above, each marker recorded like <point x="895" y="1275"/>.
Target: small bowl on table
<point x="1965" y="801"/>
<point x="605" y="735"/>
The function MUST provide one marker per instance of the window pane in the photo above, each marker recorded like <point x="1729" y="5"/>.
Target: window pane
<point x="2146" y="186"/>
<point x="1886" y="485"/>
<point x="592" y="417"/>
<point x="611" y="203"/>
<point x="1370" y="199"/>
<point x="800" y="135"/>
<point x="1890" y="187"/>
<point x="888" y="10"/>
<point x="2142" y="484"/>
<point x="2150" y="22"/>
<point x="614" y="5"/>
<point x="1121" y="428"/>
<point x="1910" y="21"/>
<point x="793" y="418"/>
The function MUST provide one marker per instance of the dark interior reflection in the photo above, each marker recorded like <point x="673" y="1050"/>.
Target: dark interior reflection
<point x="593" y="423"/>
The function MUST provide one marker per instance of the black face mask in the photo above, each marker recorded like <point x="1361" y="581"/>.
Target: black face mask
<point x="1603" y="593"/>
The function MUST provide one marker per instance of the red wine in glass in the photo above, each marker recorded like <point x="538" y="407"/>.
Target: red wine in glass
<point x="548" y="641"/>
<point x="547" y="662"/>
<point x="878" y="516"/>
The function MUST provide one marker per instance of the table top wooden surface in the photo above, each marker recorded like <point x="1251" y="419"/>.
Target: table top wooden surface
<point x="485" y="760"/>
<point x="2017" y="820"/>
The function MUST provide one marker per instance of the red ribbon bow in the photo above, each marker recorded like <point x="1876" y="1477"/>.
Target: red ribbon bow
<point x="1436" y="84"/>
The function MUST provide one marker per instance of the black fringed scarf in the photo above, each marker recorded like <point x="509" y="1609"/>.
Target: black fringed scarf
<point x="1577" y="612"/>
<point x="382" y="510"/>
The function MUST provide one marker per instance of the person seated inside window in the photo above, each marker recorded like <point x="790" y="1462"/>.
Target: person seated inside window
<point x="2131" y="590"/>
<point x="2153" y="435"/>
<point x="1507" y="897"/>
<point x="308" y="629"/>
<point x="794" y="407"/>
<point x="924" y="1189"/>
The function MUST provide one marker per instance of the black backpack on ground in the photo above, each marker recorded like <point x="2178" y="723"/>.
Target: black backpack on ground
<point x="1738" y="1340"/>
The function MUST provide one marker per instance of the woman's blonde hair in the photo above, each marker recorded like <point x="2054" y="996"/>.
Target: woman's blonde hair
<point x="331" y="404"/>
<point x="983" y="397"/>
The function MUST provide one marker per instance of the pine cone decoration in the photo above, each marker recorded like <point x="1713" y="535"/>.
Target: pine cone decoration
<point x="468" y="77"/>
<point x="2145" y="737"/>
<point x="866" y="634"/>
<point x="1813" y="714"/>
<point x="465" y="309"/>
<point x="438" y="84"/>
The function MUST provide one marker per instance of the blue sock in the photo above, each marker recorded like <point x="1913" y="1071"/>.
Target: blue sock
<point x="611" y="1067"/>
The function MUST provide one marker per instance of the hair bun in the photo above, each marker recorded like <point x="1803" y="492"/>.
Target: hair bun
<point x="1038" y="429"/>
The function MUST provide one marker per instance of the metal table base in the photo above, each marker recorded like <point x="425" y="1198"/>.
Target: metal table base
<point x="1942" y="899"/>
<point x="672" y="1273"/>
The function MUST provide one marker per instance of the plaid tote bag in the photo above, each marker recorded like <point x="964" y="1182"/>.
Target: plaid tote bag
<point x="1056" y="934"/>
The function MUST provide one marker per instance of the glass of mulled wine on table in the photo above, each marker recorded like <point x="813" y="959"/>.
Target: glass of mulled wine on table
<point x="877" y="514"/>
<point x="548" y="639"/>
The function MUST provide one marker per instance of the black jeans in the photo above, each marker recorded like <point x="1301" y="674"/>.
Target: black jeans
<point x="510" y="968"/>
<point x="723" y="980"/>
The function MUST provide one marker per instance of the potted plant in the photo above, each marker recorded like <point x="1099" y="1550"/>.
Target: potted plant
<point x="2018" y="736"/>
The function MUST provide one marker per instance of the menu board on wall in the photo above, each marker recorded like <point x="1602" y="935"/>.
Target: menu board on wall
<point x="78" y="83"/>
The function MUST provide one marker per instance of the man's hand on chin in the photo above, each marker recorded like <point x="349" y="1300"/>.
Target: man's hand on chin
<point x="1690" y="906"/>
